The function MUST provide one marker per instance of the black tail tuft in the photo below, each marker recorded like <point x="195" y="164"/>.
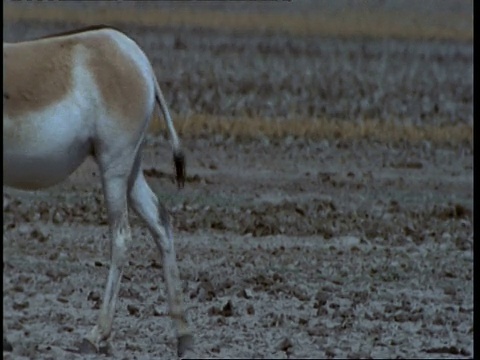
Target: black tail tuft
<point x="179" y="160"/>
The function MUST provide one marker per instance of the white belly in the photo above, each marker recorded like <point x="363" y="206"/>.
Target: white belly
<point x="30" y="172"/>
<point x="42" y="150"/>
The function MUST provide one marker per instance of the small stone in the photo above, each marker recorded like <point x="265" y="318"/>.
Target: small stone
<point x="158" y="312"/>
<point x="247" y="293"/>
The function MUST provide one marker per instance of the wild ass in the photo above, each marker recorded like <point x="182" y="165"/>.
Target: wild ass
<point x="91" y="92"/>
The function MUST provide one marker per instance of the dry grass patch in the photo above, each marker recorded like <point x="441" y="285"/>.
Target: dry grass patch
<point x="347" y="23"/>
<point x="316" y="129"/>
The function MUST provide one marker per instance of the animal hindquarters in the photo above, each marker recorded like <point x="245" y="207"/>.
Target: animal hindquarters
<point x="91" y="93"/>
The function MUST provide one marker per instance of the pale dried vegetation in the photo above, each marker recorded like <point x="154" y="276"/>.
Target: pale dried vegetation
<point x="346" y="23"/>
<point x="248" y="128"/>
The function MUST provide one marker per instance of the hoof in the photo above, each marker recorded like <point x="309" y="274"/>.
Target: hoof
<point x="184" y="343"/>
<point x="7" y="346"/>
<point x="86" y="347"/>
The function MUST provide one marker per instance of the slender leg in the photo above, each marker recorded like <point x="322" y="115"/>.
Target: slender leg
<point x="146" y="204"/>
<point x="115" y="196"/>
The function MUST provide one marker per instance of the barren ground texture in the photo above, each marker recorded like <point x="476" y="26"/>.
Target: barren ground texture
<point x="328" y="209"/>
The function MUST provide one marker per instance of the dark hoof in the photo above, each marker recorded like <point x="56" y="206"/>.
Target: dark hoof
<point x="86" y="347"/>
<point x="185" y="342"/>
<point x="7" y="346"/>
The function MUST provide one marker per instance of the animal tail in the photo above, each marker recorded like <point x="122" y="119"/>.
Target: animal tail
<point x="178" y="155"/>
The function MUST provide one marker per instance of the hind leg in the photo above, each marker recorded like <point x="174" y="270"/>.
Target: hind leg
<point x="115" y="185"/>
<point x="146" y="205"/>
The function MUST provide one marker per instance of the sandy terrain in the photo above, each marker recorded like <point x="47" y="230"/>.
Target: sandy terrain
<point x="287" y="248"/>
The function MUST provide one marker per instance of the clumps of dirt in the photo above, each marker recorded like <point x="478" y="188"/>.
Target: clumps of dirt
<point x="325" y="218"/>
<point x="262" y="220"/>
<point x="315" y="217"/>
<point x="84" y="210"/>
<point x="451" y="211"/>
<point x="450" y="350"/>
<point x="226" y="310"/>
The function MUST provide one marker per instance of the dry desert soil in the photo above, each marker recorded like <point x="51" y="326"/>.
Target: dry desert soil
<point x="307" y="246"/>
